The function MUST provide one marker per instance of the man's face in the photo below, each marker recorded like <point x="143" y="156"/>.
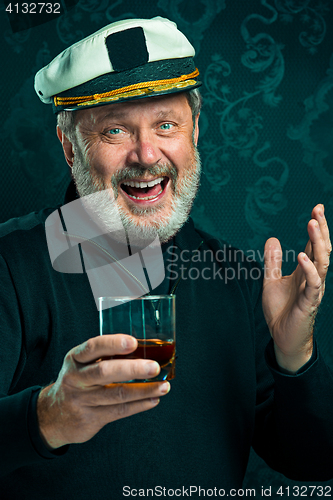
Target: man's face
<point x="122" y="147"/>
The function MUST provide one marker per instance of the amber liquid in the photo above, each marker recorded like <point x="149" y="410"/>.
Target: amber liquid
<point x="162" y="351"/>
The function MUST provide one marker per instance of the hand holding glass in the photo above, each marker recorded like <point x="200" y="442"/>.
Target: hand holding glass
<point x="151" y="320"/>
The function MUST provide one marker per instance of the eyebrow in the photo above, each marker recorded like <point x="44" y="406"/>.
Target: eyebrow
<point x="112" y="114"/>
<point x="166" y="114"/>
<point x="119" y="114"/>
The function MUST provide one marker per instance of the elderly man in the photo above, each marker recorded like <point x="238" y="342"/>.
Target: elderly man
<point x="248" y="372"/>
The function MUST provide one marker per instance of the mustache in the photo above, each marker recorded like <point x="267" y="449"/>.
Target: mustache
<point x="135" y="171"/>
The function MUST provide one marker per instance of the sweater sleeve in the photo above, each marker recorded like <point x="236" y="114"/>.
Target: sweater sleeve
<point x="20" y="443"/>
<point x="294" y="413"/>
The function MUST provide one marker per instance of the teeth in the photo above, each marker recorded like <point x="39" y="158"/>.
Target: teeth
<point x="143" y="184"/>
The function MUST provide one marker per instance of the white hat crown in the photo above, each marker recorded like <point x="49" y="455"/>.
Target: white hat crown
<point x="91" y="57"/>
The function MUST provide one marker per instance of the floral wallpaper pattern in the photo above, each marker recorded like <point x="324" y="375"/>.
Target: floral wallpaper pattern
<point x="265" y="129"/>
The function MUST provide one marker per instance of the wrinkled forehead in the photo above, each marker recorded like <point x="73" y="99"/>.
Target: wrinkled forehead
<point x="161" y="107"/>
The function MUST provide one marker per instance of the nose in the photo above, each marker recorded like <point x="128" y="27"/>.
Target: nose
<point x="144" y="149"/>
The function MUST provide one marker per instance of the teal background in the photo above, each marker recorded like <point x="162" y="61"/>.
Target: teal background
<point x="266" y="129"/>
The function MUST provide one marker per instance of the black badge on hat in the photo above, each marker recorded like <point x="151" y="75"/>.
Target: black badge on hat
<point x="127" y="49"/>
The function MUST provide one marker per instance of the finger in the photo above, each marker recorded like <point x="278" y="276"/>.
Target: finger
<point x="124" y="393"/>
<point x="309" y="250"/>
<point x="104" y="345"/>
<point x="299" y="274"/>
<point x="109" y="414"/>
<point x="115" y="370"/>
<point x="273" y="259"/>
<point x="320" y="252"/>
<point x="314" y="287"/>
<point x="318" y="213"/>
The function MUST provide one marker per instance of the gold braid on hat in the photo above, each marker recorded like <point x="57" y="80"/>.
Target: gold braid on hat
<point x="136" y="89"/>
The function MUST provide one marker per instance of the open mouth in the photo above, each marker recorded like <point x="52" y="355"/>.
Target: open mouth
<point x="145" y="191"/>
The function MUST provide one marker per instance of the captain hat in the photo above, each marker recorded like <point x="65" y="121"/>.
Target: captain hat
<point x="128" y="59"/>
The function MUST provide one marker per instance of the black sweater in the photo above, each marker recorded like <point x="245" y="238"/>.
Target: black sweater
<point x="225" y="397"/>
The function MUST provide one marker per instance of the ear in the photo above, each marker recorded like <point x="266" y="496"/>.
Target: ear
<point x="66" y="146"/>
<point x="196" y="129"/>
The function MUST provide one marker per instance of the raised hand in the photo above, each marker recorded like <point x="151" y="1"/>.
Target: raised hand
<point x="290" y="303"/>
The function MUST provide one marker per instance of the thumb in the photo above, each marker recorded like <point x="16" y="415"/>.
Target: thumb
<point x="273" y="260"/>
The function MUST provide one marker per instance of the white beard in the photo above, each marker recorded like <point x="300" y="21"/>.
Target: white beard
<point x="106" y="210"/>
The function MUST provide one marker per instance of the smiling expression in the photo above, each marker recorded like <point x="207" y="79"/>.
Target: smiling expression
<point x="144" y="150"/>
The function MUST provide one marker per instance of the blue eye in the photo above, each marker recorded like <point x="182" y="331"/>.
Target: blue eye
<point x="115" y="131"/>
<point x="166" y="126"/>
